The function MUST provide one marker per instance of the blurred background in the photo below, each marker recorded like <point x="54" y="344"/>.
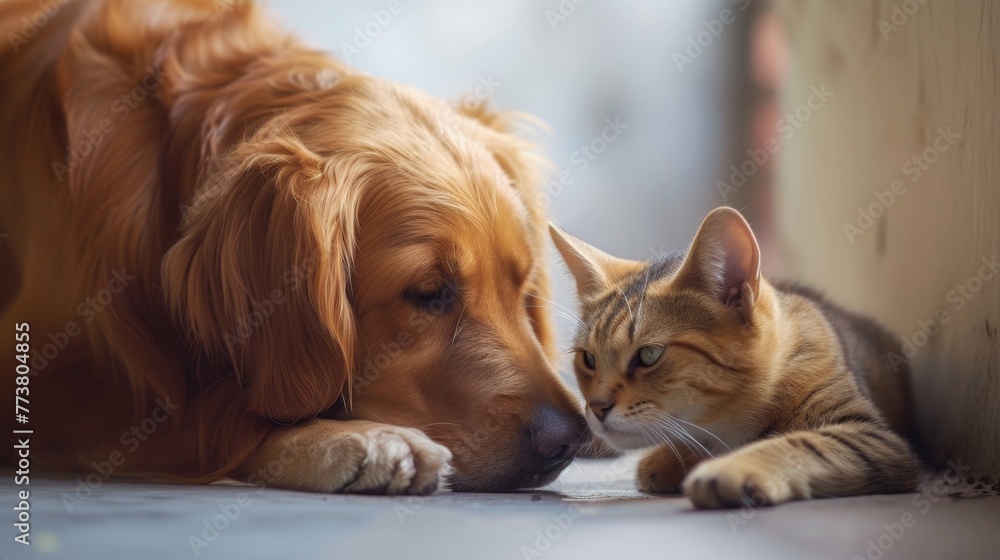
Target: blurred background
<point x="860" y="140"/>
<point x="648" y="103"/>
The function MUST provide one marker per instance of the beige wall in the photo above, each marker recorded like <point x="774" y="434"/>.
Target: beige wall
<point x="893" y="89"/>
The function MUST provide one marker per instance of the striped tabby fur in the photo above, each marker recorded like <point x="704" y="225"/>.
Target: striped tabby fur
<point x="760" y="393"/>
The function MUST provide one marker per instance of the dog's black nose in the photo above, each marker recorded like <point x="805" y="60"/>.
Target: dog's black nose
<point x="555" y="435"/>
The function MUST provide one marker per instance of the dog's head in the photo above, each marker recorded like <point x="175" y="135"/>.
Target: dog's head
<point x="375" y="253"/>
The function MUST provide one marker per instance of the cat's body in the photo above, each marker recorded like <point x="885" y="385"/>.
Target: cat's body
<point x="751" y="393"/>
<point x="866" y="347"/>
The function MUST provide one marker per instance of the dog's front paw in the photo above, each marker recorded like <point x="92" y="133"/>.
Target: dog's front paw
<point x="660" y="472"/>
<point x="729" y="482"/>
<point x="392" y="460"/>
<point x="354" y="456"/>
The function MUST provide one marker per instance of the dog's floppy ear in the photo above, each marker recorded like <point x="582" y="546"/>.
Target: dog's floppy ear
<point x="113" y="120"/>
<point x="261" y="278"/>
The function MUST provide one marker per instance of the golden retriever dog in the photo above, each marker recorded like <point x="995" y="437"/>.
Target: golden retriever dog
<point x="228" y="255"/>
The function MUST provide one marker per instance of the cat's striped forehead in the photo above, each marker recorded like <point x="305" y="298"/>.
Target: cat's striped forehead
<point x="642" y="297"/>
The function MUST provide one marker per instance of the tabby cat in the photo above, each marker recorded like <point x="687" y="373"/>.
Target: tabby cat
<point x="750" y="392"/>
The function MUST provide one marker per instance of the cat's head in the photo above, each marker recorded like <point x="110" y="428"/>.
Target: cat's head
<point x="675" y="342"/>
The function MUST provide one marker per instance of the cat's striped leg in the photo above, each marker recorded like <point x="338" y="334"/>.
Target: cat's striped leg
<point x="663" y="469"/>
<point x="843" y="459"/>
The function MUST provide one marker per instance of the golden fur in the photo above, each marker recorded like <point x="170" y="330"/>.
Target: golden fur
<point x="795" y="397"/>
<point x="327" y="278"/>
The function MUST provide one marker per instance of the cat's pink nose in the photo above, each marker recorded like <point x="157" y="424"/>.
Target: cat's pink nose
<point x="600" y="408"/>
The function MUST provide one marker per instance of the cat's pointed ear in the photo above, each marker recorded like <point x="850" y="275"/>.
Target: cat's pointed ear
<point x="589" y="265"/>
<point x="725" y="260"/>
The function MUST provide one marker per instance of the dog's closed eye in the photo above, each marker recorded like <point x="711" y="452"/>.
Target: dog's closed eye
<point x="433" y="296"/>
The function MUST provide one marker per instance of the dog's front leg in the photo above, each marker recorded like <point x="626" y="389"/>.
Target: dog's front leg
<point x="350" y="456"/>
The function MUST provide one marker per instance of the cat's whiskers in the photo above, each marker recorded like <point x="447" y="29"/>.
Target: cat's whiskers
<point x="686" y="438"/>
<point x="540" y="298"/>
<point x="649" y="435"/>
<point x="576" y="320"/>
<point x="680" y="458"/>
<point x="670" y="444"/>
<point x="556" y="306"/>
<point x="687" y="434"/>
<point x="668" y="434"/>
<point x="651" y="438"/>
<point x="645" y="436"/>
<point x="693" y="425"/>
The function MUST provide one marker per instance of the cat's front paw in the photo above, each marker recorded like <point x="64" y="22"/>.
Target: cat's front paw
<point x="729" y="482"/>
<point x="660" y="472"/>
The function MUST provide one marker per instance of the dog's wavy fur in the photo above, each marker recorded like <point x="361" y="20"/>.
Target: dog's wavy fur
<point x="266" y="224"/>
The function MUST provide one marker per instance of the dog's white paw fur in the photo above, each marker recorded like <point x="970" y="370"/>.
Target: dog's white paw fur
<point x="355" y="457"/>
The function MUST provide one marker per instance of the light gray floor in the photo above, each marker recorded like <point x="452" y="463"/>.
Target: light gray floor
<point x="590" y="512"/>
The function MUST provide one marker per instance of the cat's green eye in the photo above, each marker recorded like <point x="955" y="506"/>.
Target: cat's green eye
<point x="589" y="360"/>
<point x="649" y="354"/>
